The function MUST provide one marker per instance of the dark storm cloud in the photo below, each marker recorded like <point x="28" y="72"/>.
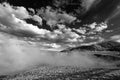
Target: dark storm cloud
<point x="100" y="12"/>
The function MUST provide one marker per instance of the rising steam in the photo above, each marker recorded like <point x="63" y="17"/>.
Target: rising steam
<point x="17" y="55"/>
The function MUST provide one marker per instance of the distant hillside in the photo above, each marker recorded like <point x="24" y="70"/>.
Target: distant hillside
<point x="103" y="46"/>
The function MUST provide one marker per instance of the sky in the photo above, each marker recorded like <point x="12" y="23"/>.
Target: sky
<point x="13" y="21"/>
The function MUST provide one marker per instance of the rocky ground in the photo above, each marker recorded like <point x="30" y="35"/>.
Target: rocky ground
<point x="64" y="73"/>
<point x="52" y="72"/>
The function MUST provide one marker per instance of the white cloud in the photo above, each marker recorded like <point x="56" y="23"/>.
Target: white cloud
<point x="12" y="19"/>
<point x="19" y="12"/>
<point x="37" y="18"/>
<point x="87" y="3"/>
<point x="98" y="27"/>
<point x="115" y="38"/>
<point x="16" y="25"/>
<point x="93" y="25"/>
<point x="53" y="17"/>
<point x="81" y="30"/>
<point x="101" y="27"/>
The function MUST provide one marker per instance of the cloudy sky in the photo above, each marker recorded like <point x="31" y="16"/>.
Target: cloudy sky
<point x="12" y="20"/>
